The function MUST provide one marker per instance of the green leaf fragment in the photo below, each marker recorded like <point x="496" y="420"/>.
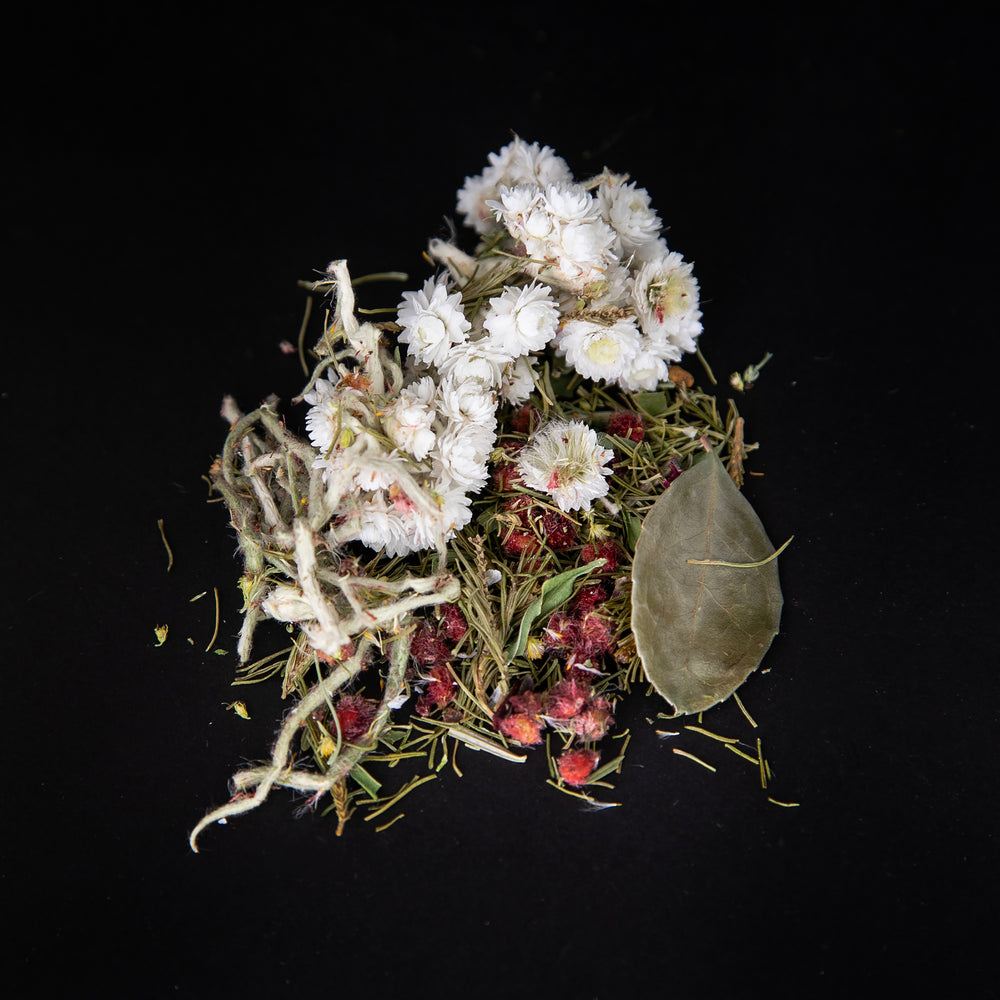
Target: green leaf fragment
<point x="652" y="403"/>
<point x="700" y="630"/>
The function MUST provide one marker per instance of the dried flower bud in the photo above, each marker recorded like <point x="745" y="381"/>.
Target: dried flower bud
<point x="559" y="530"/>
<point x="594" y="721"/>
<point x="566" y="698"/>
<point x="526" y="419"/>
<point x="427" y="646"/>
<point x="589" y="596"/>
<point x="626" y="424"/>
<point x="440" y="691"/>
<point x="518" y="540"/>
<point x="521" y="729"/>
<point x="576" y="766"/>
<point x="354" y="715"/>
<point x="518" y="717"/>
<point x="595" y="636"/>
<point x="453" y="624"/>
<point x="606" y="550"/>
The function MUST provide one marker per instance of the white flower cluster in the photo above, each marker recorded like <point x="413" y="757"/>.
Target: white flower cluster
<point x="599" y="243"/>
<point x="597" y="284"/>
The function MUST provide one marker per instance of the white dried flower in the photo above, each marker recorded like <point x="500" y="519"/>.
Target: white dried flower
<point x="522" y="319"/>
<point x="566" y="461"/>
<point x="561" y="230"/>
<point x="628" y="211"/>
<point x="518" y="381"/>
<point x="409" y="419"/>
<point x="481" y="361"/>
<point x="432" y="321"/>
<point x="382" y="527"/>
<point x="666" y="298"/>
<point x="599" y="351"/>
<point x="517" y="163"/>
<point x="462" y="454"/>
<point x="380" y="469"/>
<point x="644" y="372"/>
<point x="469" y="402"/>
<point x="337" y="416"/>
<point x="287" y="604"/>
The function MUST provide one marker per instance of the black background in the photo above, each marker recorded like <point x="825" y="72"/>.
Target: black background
<point x="170" y="177"/>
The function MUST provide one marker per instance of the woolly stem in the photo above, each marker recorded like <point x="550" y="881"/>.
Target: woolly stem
<point x="279" y="773"/>
<point x="267" y="777"/>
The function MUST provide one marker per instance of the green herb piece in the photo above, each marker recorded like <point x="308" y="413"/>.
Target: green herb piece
<point x="366" y="781"/>
<point x="691" y="756"/>
<point x="701" y="630"/>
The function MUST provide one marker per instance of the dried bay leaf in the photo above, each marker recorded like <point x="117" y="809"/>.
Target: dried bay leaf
<point x="701" y="630"/>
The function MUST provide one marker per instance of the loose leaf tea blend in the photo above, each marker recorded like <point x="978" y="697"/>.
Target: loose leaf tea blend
<point x="507" y="509"/>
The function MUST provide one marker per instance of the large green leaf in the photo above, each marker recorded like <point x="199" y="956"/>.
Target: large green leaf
<point x="701" y="630"/>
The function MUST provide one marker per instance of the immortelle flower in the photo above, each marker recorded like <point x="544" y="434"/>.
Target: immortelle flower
<point x="518" y="162"/>
<point x="629" y="212"/>
<point x="432" y="321"/>
<point x="565" y="460"/>
<point x="337" y="415"/>
<point x="645" y="371"/>
<point x="522" y="319"/>
<point x="518" y="380"/>
<point x="666" y="297"/>
<point x="560" y="229"/>
<point x="482" y="360"/>
<point x="603" y="353"/>
<point x="355" y="714"/>
<point x="409" y="419"/>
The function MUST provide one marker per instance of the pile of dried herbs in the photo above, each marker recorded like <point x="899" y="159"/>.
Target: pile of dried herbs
<point x="511" y="507"/>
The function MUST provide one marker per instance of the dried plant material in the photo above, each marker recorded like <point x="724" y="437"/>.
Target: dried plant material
<point x="679" y="376"/>
<point x="702" y="629"/>
<point x="449" y="543"/>
<point x="166" y="544"/>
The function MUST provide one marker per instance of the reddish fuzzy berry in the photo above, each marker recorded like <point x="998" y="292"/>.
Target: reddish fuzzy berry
<point x="588" y="638"/>
<point x="606" y="550"/>
<point x="522" y="729"/>
<point x="576" y="766"/>
<point x="526" y="419"/>
<point x="520" y="505"/>
<point x="565" y="698"/>
<point x="518" y="717"/>
<point x="594" y="721"/>
<point x="518" y="540"/>
<point x="559" y="530"/>
<point x="453" y="624"/>
<point x="506" y="476"/>
<point x="626" y="424"/>
<point x="439" y="692"/>
<point x="530" y="703"/>
<point x="427" y="646"/>
<point x="589" y="596"/>
<point x="354" y="714"/>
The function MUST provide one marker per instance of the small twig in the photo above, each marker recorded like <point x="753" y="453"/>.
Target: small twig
<point x="215" y="634"/>
<point x="302" y="336"/>
<point x="691" y="756"/>
<point x="736" y="565"/>
<point x="166" y="544"/>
